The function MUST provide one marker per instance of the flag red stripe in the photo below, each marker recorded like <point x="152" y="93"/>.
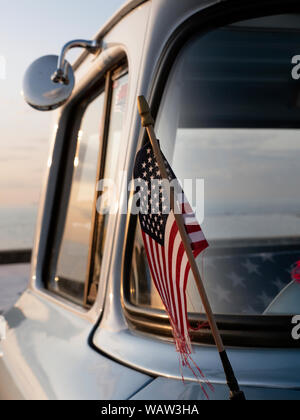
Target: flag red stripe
<point x="186" y="277"/>
<point x="171" y="239"/>
<point x="199" y="247"/>
<point x="180" y="255"/>
<point x="192" y="228"/>
<point x="166" y="280"/>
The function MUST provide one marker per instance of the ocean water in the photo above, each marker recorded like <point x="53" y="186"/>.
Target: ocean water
<point x="13" y="281"/>
<point x="17" y="227"/>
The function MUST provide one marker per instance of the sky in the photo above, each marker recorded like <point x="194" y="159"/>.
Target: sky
<point x="30" y="29"/>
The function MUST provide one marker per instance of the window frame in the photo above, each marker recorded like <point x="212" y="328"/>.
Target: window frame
<point x="84" y="106"/>
<point x="237" y="331"/>
<point x="96" y="82"/>
<point x="111" y="76"/>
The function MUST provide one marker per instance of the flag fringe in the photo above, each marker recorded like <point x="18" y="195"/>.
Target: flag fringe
<point x="200" y="326"/>
<point x="184" y="350"/>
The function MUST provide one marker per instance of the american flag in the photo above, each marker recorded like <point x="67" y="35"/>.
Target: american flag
<point x="167" y="258"/>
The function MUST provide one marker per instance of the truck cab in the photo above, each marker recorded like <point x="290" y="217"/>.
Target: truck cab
<point x="222" y="81"/>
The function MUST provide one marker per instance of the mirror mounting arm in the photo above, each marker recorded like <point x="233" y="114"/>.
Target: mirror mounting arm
<point x="61" y="74"/>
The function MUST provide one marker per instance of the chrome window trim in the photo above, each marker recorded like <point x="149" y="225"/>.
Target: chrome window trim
<point x="128" y="347"/>
<point x="120" y="14"/>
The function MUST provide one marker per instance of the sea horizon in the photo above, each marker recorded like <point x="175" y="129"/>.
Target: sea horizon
<point x="17" y="227"/>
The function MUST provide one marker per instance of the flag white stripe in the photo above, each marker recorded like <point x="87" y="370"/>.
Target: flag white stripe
<point x="190" y="219"/>
<point x="197" y="236"/>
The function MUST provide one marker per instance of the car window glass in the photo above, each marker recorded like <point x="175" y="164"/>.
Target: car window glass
<point x="74" y="249"/>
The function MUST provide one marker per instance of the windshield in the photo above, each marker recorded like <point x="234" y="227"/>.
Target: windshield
<point x="230" y="115"/>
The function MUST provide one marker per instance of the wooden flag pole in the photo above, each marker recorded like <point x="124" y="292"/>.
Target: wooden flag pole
<point x="148" y="123"/>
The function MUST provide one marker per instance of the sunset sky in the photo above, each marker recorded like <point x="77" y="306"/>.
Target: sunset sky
<point x="30" y="29"/>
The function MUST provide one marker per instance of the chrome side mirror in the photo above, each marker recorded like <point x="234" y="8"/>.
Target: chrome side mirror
<point x="40" y="91"/>
<point x="49" y="81"/>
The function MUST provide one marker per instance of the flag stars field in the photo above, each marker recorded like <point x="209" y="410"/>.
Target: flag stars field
<point x="279" y="284"/>
<point x="251" y="268"/>
<point x="265" y="299"/>
<point x="267" y="257"/>
<point x="223" y="294"/>
<point x="237" y="280"/>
